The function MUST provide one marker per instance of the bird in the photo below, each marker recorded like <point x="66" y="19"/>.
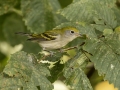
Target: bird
<point x="53" y="39"/>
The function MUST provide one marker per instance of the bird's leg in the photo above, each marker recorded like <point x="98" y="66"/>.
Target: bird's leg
<point x="61" y="50"/>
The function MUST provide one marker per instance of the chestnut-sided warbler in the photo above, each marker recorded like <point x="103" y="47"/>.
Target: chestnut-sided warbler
<point x="54" y="39"/>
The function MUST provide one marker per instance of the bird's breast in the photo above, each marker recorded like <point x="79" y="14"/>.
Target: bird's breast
<point x="52" y="44"/>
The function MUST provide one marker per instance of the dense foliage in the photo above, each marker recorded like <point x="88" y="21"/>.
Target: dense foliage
<point x="98" y="20"/>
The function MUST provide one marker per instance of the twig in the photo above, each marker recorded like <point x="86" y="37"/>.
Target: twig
<point x="73" y="47"/>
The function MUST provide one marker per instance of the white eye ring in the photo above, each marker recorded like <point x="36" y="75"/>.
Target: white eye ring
<point x="72" y="31"/>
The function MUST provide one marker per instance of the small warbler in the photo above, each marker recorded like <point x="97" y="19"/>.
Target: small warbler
<point x="54" y="39"/>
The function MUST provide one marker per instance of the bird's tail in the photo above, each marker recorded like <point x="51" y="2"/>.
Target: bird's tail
<point x="22" y="33"/>
<point x="31" y="37"/>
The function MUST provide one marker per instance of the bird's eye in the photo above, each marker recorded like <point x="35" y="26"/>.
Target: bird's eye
<point x="71" y="31"/>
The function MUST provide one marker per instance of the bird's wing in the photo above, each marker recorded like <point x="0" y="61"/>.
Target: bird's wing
<point x="47" y="36"/>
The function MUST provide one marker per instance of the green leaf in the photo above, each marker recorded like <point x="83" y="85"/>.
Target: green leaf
<point x="109" y="3"/>
<point x="40" y="80"/>
<point x="79" y="61"/>
<point x="107" y="31"/>
<point x="75" y="77"/>
<point x="101" y="27"/>
<point x="84" y="10"/>
<point x="90" y="44"/>
<point x="117" y="30"/>
<point x="40" y="15"/>
<point x="117" y="13"/>
<point x="88" y="30"/>
<point x="105" y="57"/>
<point x="80" y="11"/>
<point x="113" y="40"/>
<point x="6" y="5"/>
<point x="8" y="83"/>
<point x="107" y="15"/>
<point x="78" y="80"/>
<point x="24" y="73"/>
<point x="56" y="70"/>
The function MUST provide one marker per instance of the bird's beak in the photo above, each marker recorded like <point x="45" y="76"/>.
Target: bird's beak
<point x="79" y="35"/>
